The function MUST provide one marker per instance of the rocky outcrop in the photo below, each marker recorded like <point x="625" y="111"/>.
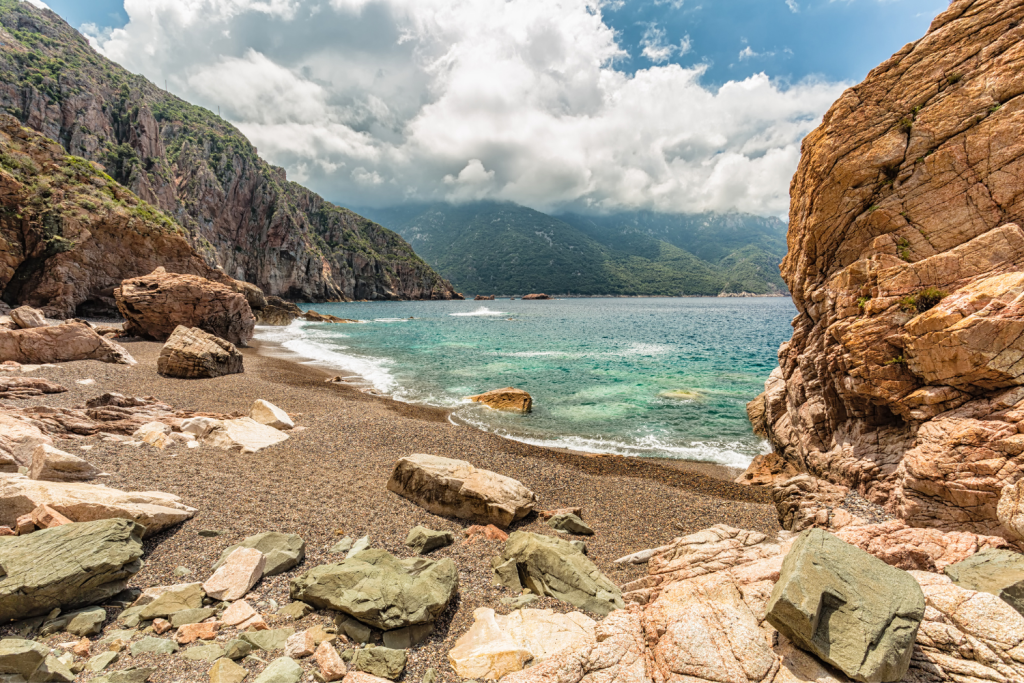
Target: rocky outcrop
<point x="60" y="343"/>
<point x="535" y="297"/>
<point x="277" y="311"/>
<point x="483" y="297"/>
<point x="455" y="488"/>
<point x="27" y="387"/>
<point x="998" y="572"/>
<point x="239" y="213"/>
<point x="906" y="264"/>
<point x="85" y="564"/>
<point x="507" y="399"/>
<point x="155" y="305"/>
<point x="191" y="353"/>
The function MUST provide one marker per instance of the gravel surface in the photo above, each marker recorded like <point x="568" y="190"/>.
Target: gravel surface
<point x="329" y="480"/>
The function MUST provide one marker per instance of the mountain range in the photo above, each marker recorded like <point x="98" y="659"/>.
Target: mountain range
<point x="505" y="248"/>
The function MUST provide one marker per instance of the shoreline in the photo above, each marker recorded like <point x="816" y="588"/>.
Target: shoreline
<point x="272" y="349"/>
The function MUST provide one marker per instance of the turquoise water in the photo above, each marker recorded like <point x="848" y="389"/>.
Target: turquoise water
<point x="646" y="377"/>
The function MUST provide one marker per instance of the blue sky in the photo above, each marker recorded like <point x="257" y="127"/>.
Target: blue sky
<point x="587" y="105"/>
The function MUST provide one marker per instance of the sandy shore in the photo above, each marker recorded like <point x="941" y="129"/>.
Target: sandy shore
<point x="329" y="480"/>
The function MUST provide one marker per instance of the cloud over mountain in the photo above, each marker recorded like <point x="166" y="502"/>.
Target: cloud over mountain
<point x="376" y="101"/>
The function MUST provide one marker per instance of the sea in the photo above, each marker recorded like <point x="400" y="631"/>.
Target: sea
<point x="647" y="377"/>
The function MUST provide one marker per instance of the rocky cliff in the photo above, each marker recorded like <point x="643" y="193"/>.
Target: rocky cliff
<point x="903" y="379"/>
<point x="240" y="213"/>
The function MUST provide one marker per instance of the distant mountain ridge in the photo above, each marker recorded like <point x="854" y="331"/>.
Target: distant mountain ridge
<point x="238" y="212"/>
<point x="505" y="248"/>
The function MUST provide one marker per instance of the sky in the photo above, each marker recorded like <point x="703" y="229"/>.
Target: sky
<point x="584" y="105"/>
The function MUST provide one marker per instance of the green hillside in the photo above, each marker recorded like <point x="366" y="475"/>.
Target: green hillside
<point x="504" y="248"/>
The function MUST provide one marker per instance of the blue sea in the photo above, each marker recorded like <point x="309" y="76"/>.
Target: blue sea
<point x="659" y="377"/>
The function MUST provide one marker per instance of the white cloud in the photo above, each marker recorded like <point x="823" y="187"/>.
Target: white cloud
<point x="793" y="6"/>
<point x="38" y="3"/>
<point x="376" y="101"/>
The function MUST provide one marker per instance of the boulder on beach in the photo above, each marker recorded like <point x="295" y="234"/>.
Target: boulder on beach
<point x="266" y="413"/>
<point x="847" y="607"/>
<point x="192" y="353"/>
<point x="60" y="343"/>
<point x="51" y="464"/>
<point x="998" y="572"/>
<point x="26" y="660"/>
<point x="27" y="387"/>
<point x="82" y="502"/>
<point x="84" y="564"/>
<point x="508" y="399"/>
<point x="455" y="488"/>
<point x="378" y="589"/>
<point x="155" y="305"/>
<point x="18" y="442"/>
<point x="422" y="540"/>
<point x="553" y="567"/>
<point x="569" y="523"/>
<point x="164" y="601"/>
<point x="283" y="551"/>
<point x="244" y="434"/>
<point x="26" y="317"/>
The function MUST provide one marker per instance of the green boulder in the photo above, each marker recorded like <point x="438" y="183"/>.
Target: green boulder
<point x="155" y="646"/>
<point x="87" y="622"/>
<point x="556" y="568"/>
<point x="847" y="607"/>
<point x="378" y="589"/>
<point x="283" y="551"/>
<point x="281" y="670"/>
<point x="271" y="640"/>
<point x="382" y="662"/>
<point x="191" y="616"/>
<point x="999" y="572"/>
<point x="174" y="599"/>
<point x="422" y="540"/>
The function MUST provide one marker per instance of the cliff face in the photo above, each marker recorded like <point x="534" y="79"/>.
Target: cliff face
<point x="239" y="212"/>
<point x="903" y="379"/>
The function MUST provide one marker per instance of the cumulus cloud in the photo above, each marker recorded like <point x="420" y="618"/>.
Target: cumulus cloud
<point x="371" y="102"/>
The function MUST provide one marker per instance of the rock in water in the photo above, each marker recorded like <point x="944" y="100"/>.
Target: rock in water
<point x="508" y="399"/>
<point x="551" y="566"/>
<point x="535" y="297"/>
<point x="26" y="317"/>
<point x="378" y="589"/>
<point x="457" y="489"/>
<point x="283" y="551"/>
<point x="267" y="413"/>
<point x="847" y="607"/>
<point x="278" y="312"/>
<point x="60" y="343"/>
<point x="422" y="540"/>
<point x="85" y="564"/>
<point x="50" y="464"/>
<point x="999" y="572"/>
<point x="155" y="305"/>
<point x="909" y="288"/>
<point x="192" y="353"/>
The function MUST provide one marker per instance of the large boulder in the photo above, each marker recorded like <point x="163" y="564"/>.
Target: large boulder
<point x="557" y="568"/>
<point x="51" y="464"/>
<point x="191" y="353"/>
<point x="999" y="572"/>
<point x="508" y="399"/>
<point x="18" y="442"/>
<point x="283" y="551"/>
<point x="847" y="607"/>
<point x="59" y="344"/>
<point x="155" y="305"/>
<point x="26" y="660"/>
<point x="84" y="564"/>
<point x="26" y="317"/>
<point x="80" y="502"/>
<point x="457" y="489"/>
<point x="378" y="589"/>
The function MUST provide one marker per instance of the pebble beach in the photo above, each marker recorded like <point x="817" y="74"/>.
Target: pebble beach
<point x="328" y="480"/>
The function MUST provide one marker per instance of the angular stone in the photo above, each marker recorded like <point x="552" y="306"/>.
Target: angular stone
<point x="267" y="413"/>
<point x="87" y="622"/>
<point x="240" y="572"/>
<point x="342" y="546"/>
<point x="378" y="661"/>
<point x="155" y="305"/>
<point x="26" y="317"/>
<point x="410" y="636"/>
<point x="281" y="670"/>
<point x="156" y="646"/>
<point x="254" y="623"/>
<point x="82" y="502"/>
<point x="45" y="517"/>
<point x="51" y="464"/>
<point x="422" y="540"/>
<point x="172" y="599"/>
<point x="299" y="645"/>
<point x="243" y="434"/>
<point x="226" y="671"/>
<point x="191" y="616"/>
<point x="101" y="661"/>
<point x="135" y="674"/>
<point x="191" y="353"/>
<point x="359" y="546"/>
<point x="18" y="441"/>
<point x="569" y="523"/>
<point x="485" y="533"/>
<point x="485" y="651"/>
<point x="295" y="610"/>
<point x="238" y="648"/>
<point x="556" y="568"/>
<point x="237" y="613"/>
<point x="454" y="488"/>
<point x="22" y="657"/>
<point x="378" y="589"/>
<point x="269" y="640"/>
<point x="847" y="607"/>
<point x="507" y="399"/>
<point x="205" y="653"/>
<point x="59" y="344"/>
<point x="332" y="668"/>
<point x="86" y="563"/>
<point x="82" y="647"/>
<point x="161" y="626"/>
<point x="356" y="630"/>
<point x="189" y="633"/>
<point x="998" y="572"/>
<point x="283" y="551"/>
